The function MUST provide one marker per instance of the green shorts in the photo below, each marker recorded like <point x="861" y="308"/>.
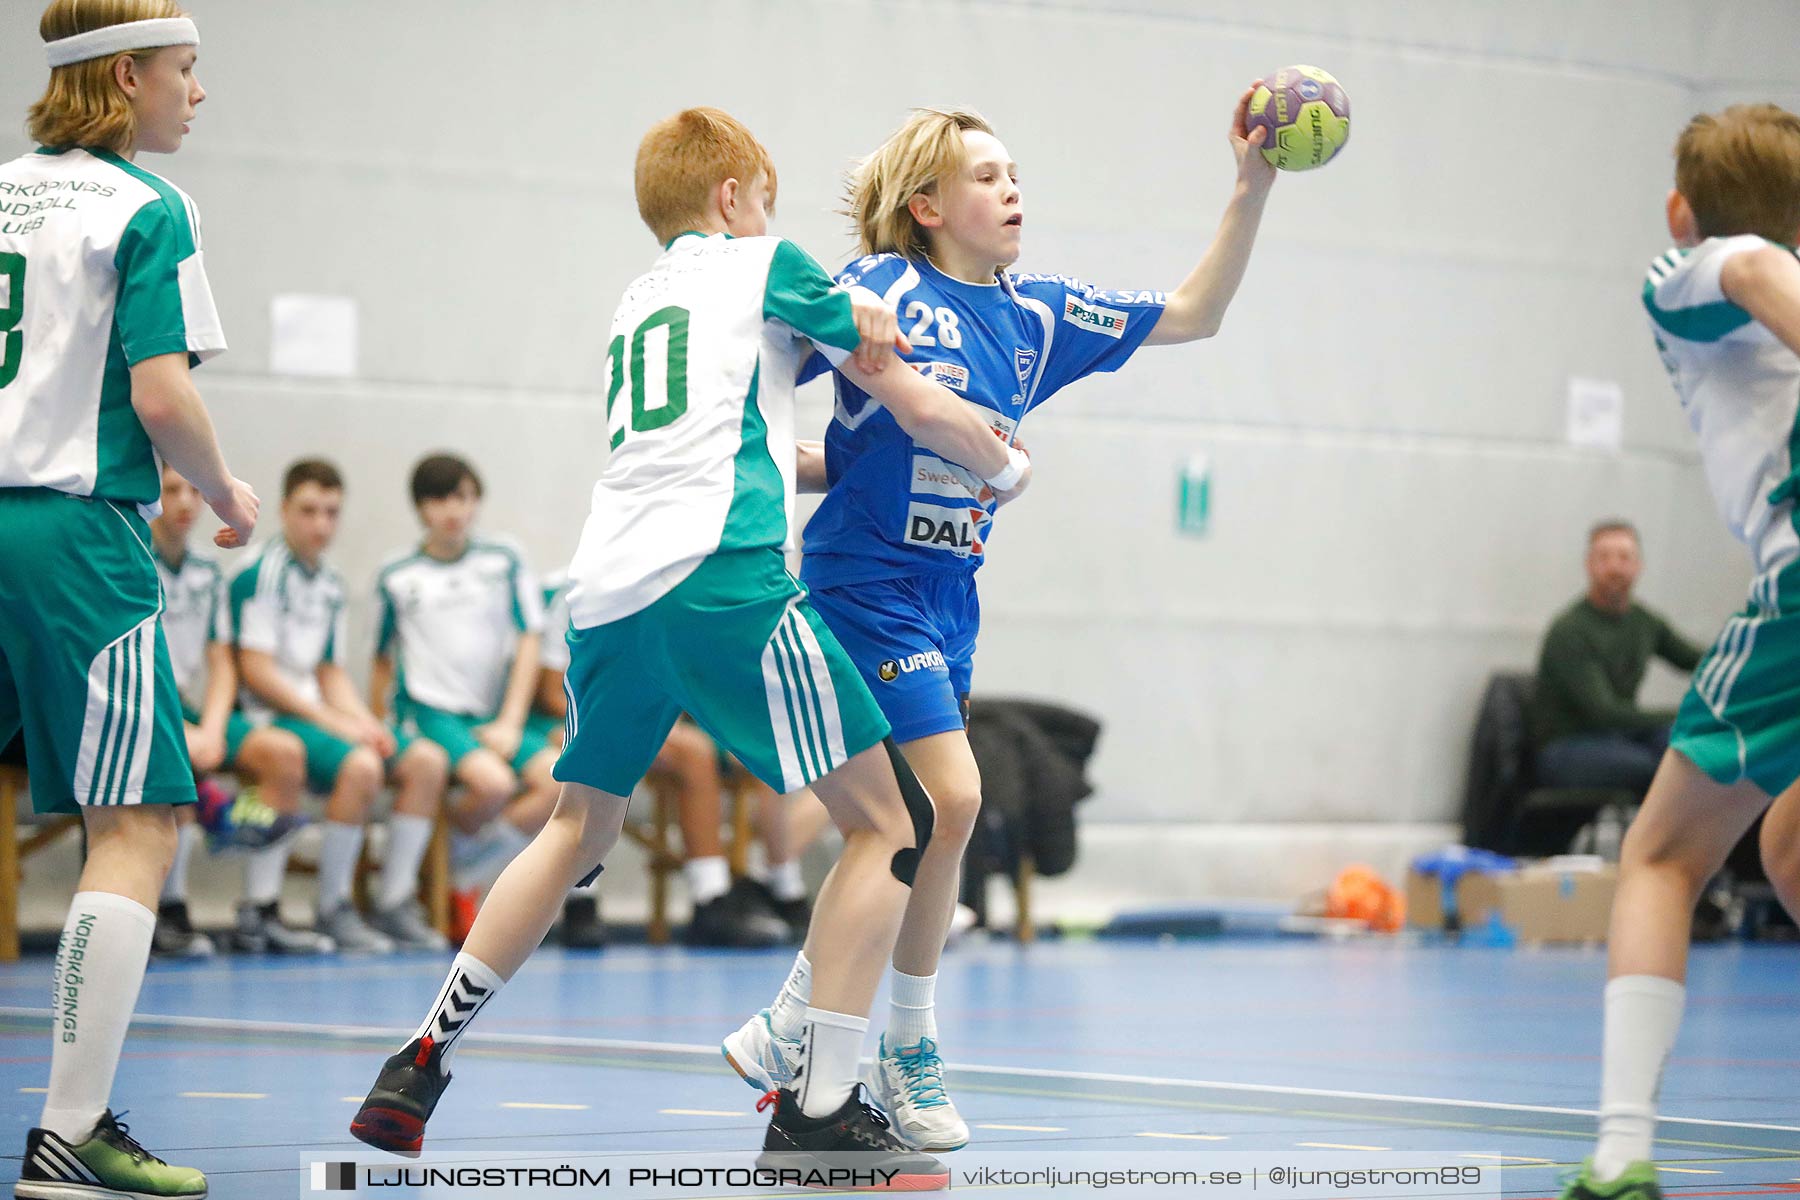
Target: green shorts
<point x="237" y="728"/>
<point x="326" y="751"/>
<point x="1740" y="718"/>
<point x="80" y="636"/>
<point x="735" y="646"/>
<point x="455" y="732"/>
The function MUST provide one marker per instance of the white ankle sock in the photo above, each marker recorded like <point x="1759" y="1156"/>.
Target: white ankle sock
<point x="175" y="885"/>
<point x="99" y="968"/>
<point x="788" y="1013"/>
<point x="786" y="881"/>
<point x="830" y="1048"/>
<point x="469" y="986"/>
<point x="707" y="878"/>
<point x="911" y="1014"/>
<point x="338" y="852"/>
<point x="263" y="872"/>
<point x="1643" y="1013"/>
<point x="408" y="838"/>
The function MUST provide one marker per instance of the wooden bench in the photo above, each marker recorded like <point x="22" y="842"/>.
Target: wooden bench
<point x="15" y="791"/>
<point x="15" y="798"/>
<point x="656" y="833"/>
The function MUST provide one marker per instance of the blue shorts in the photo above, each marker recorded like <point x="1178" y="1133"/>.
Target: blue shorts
<point x="913" y="641"/>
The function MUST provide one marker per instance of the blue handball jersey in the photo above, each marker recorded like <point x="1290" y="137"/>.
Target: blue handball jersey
<point x="895" y="509"/>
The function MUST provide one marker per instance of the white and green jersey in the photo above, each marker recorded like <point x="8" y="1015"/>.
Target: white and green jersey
<point x="100" y="268"/>
<point x="701" y="367"/>
<point x="196" y="613"/>
<point x="453" y="626"/>
<point x="1740" y="388"/>
<point x="294" y="615"/>
<point x="554" y="652"/>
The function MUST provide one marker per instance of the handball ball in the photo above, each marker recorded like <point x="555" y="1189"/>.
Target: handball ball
<point x="1307" y="115"/>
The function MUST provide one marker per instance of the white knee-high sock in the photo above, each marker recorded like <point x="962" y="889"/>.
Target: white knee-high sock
<point x="408" y="839"/>
<point x="788" y="1013"/>
<point x="338" y="852"/>
<point x="830" y="1048"/>
<point x="175" y="884"/>
<point x="469" y="986"/>
<point x="912" y="1014"/>
<point x="1643" y="1013"/>
<point x="99" y="968"/>
<point x="263" y="873"/>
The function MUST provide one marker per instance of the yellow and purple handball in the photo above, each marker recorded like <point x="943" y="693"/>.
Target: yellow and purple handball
<point x="1307" y="115"/>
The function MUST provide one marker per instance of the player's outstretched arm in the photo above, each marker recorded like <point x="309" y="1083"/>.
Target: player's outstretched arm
<point x="939" y="420"/>
<point x="173" y="415"/>
<point x="1766" y="284"/>
<point x="1196" y="309"/>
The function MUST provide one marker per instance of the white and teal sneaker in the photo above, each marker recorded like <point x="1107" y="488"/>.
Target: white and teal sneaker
<point x="764" y="1060"/>
<point x="909" y="1083"/>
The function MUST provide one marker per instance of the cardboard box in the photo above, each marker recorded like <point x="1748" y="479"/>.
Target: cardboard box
<point x="1477" y="894"/>
<point x="1545" y="903"/>
<point x="1550" y="901"/>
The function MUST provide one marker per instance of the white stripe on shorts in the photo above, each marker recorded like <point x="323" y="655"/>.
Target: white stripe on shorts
<point x="826" y="693"/>
<point x="775" y="672"/>
<point x="120" y="721"/>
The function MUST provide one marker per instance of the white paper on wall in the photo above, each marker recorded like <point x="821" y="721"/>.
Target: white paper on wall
<point x="1596" y="413"/>
<point x="313" y="335"/>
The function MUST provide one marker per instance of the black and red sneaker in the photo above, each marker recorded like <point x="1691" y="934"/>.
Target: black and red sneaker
<point x="393" y="1117"/>
<point x="853" y="1149"/>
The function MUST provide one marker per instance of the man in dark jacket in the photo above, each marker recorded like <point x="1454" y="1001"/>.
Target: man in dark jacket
<point x="1587" y="726"/>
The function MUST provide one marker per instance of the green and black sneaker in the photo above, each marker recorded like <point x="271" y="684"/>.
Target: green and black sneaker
<point x="110" y="1165"/>
<point x="1637" y="1182"/>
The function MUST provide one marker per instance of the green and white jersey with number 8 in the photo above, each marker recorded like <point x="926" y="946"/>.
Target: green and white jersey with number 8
<point x="704" y="352"/>
<point x="100" y="268"/>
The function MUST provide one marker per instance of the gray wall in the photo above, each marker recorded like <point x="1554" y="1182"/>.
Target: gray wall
<point x="1396" y="513"/>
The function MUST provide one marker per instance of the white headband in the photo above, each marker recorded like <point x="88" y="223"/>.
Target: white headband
<point x="115" y="39"/>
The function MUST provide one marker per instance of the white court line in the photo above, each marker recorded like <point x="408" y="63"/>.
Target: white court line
<point x="34" y="1091"/>
<point x="1187" y="1137"/>
<point x="1338" y="1146"/>
<point x="1028" y="1128"/>
<point x="711" y="1053"/>
<point x="1686" y="1170"/>
<point x="350" y="1099"/>
<point x="1506" y="1158"/>
<point x="552" y="1107"/>
<point x="223" y="1095"/>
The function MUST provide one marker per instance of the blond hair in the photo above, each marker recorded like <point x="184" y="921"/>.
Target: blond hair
<point x="1739" y="171"/>
<point x="83" y="105"/>
<point x="927" y="148"/>
<point x="684" y="157"/>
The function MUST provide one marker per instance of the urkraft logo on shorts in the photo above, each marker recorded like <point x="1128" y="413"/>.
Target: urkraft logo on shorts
<point x="924" y="660"/>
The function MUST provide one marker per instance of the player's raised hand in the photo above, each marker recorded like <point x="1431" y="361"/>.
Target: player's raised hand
<point x="238" y="508"/>
<point x="879" y="327"/>
<point x="1253" y="169"/>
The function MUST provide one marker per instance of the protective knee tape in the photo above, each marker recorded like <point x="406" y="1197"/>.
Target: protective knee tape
<point x="919" y="807"/>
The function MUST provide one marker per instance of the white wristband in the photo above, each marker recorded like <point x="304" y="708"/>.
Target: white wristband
<point x="1008" y="478"/>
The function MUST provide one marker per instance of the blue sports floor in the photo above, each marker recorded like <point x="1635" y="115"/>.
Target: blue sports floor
<point x="1479" y="1055"/>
